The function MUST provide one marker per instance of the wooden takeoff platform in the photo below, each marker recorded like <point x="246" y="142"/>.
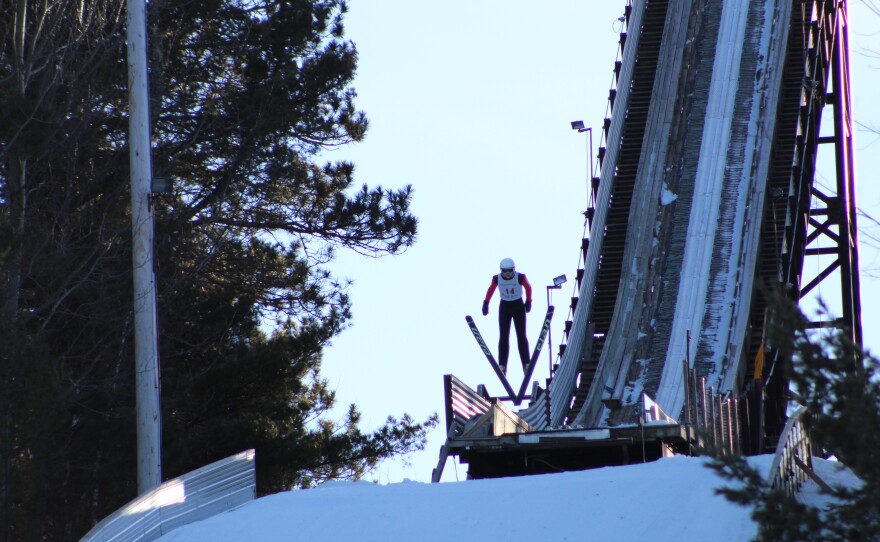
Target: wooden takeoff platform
<point x="496" y="442"/>
<point x="517" y="454"/>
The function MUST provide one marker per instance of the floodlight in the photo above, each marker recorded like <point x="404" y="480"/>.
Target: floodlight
<point x="559" y="281"/>
<point x="577" y="125"/>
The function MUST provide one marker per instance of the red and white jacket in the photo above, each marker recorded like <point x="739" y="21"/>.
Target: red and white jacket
<point x="510" y="289"/>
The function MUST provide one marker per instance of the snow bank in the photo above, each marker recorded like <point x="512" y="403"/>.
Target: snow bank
<point x="670" y="499"/>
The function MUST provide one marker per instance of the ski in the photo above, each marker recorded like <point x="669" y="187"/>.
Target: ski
<point x="491" y="358"/>
<point x="534" y="361"/>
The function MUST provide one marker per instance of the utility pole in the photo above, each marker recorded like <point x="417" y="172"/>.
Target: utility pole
<point x="149" y="421"/>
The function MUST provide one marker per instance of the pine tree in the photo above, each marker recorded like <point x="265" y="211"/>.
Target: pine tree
<point x="244" y="98"/>
<point x="838" y="382"/>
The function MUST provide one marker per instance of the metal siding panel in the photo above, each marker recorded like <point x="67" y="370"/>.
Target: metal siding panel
<point x="205" y="492"/>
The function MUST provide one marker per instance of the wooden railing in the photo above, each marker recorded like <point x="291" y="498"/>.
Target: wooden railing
<point x="793" y="460"/>
<point x="712" y="417"/>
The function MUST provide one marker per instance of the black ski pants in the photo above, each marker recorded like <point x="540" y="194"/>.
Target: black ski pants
<point x="516" y="311"/>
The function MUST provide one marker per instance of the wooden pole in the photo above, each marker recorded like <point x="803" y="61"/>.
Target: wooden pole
<point x="149" y="423"/>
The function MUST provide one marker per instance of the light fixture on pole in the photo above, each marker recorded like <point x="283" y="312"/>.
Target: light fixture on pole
<point x="557" y="284"/>
<point x="579" y="126"/>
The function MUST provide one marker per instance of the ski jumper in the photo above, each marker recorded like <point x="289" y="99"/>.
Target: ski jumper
<point x="511" y="308"/>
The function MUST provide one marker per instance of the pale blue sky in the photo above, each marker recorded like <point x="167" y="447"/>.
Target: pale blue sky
<point x="471" y="103"/>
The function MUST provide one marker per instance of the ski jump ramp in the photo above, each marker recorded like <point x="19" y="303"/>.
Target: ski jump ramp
<point x="703" y="154"/>
<point x="709" y="208"/>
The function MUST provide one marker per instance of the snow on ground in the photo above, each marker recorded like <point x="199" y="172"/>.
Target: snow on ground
<point x="831" y="472"/>
<point x="671" y="499"/>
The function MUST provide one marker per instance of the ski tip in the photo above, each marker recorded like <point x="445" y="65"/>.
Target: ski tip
<point x="469" y="318"/>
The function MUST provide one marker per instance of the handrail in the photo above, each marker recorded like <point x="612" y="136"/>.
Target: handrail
<point x="202" y="493"/>
<point x="794" y="445"/>
<point x="462" y="403"/>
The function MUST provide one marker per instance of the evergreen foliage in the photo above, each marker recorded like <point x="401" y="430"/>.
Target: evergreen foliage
<point x="839" y="384"/>
<point x="244" y="97"/>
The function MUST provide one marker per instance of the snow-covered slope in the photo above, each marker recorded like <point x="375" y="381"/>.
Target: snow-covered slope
<point x="671" y="499"/>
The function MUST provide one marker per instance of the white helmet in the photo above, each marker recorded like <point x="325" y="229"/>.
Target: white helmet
<point x="507" y="264"/>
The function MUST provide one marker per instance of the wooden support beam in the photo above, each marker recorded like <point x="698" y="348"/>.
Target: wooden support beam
<point x="812" y="474"/>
